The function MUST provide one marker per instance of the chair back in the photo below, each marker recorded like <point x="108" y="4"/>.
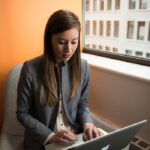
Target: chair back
<point x="12" y="131"/>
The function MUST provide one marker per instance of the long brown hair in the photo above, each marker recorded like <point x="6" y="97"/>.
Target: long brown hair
<point x="58" y="22"/>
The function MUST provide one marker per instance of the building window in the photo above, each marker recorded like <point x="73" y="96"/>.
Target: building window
<point x="87" y="28"/>
<point x="132" y="4"/>
<point x="101" y="4"/>
<point x="117" y="4"/>
<point x="130" y="30"/>
<point x="87" y="5"/>
<point x="88" y="45"/>
<point x="115" y="50"/>
<point x="148" y="55"/>
<point x="138" y="53"/>
<point x="141" y="30"/>
<point x="94" y="46"/>
<point x="107" y="48"/>
<point x="94" y="28"/>
<point x="108" y="28"/>
<point x="116" y="29"/>
<point x="143" y="4"/>
<point x="149" y="32"/>
<point x="101" y="28"/>
<point x="128" y="52"/>
<point x="109" y="5"/>
<point x="100" y="47"/>
<point x="94" y="5"/>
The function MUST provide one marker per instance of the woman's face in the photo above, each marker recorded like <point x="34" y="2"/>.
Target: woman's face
<point x="65" y="44"/>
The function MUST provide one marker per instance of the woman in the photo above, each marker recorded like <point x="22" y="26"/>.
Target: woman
<point x="52" y="101"/>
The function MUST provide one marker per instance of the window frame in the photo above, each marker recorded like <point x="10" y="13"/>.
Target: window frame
<point x="98" y="52"/>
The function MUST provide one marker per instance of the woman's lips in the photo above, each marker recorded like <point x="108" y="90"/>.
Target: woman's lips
<point x="66" y="55"/>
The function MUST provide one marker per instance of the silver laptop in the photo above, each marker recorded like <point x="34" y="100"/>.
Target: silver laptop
<point x="116" y="140"/>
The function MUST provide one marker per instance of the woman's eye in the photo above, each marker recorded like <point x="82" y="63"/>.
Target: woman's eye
<point x="74" y="42"/>
<point x="64" y="42"/>
<point x="61" y="42"/>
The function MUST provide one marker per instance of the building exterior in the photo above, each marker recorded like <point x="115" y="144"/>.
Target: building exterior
<point x="119" y="26"/>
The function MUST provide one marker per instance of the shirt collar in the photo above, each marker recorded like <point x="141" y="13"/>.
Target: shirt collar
<point x="63" y="64"/>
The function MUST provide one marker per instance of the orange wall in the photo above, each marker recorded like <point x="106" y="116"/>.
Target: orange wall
<point x="22" y="24"/>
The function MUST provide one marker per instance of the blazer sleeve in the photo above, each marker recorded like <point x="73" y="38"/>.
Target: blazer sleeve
<point x="83" y="114"/>
<point x="24" y="106"/>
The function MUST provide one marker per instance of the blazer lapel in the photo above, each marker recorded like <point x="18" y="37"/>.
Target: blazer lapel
<point x="66" y="89"/>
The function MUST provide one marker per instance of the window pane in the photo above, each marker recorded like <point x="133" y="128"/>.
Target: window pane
<point x="87" y="28"/>
<point x="149" y="32"/>
<point x="94" y="45"/>
<point x="100" y="47"/>
<point x="87" y="5"/>
<point x="132" y="4"/>
<point x="115" y="50"/>
<point x="94" y="28"/>
<point x="138" y="54"/>
<point x="130" y="31"/>
<point x="125" y="32"/>
<point x="107" y="48"/>
<point x="108" y="29"/>
<point x="101" y="4"/>
<point x="116" y="28"/>
<point x="128" y="52"/>
<point x="100" y="28"/>
<point x="88" y="45"/>
<point x="94" y="5"/>
<point x="141" y="31"/>
<point x="143" y="4"/>
<point x="117" y="4"/>
<point x="148" y="55"/>
<point x="109" y="5"/>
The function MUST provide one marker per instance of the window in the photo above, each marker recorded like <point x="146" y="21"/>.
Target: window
<point x="87" y="5"/>
<point x="116" y="28"/>
<point x="101" y="4"/>
<point x="130" y="31"/>
<point x="132" y="4"/>
<point x="88" y="45"/>
<point x="108" y="29"/>
<point x="117" y="4"/>
<point x="141" y="30"/>
<point x="94" y="28"/>
<point x="149" y="32"/>
<point x="94" y="45"/>
<point x="94" y="5"/>
<point x="128" y="52"/>
<point x="143" y="4"/>
<point x="107" y="48"/>
<point x="148" y="55"/>
<point x="100" y="47"/>
<point x="115" y="50"/>
<point x="138" y="53"/>
<point x="109" y="5"/>
<point x="87" y="27"/>
<point x="101" y="28"/>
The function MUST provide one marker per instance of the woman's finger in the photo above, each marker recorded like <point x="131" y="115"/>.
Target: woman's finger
<point x="96" y="132"/>
<point x="88" y="133"/>
<point x="70" y="136"/>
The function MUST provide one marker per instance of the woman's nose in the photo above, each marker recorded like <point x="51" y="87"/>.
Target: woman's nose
<point x="68" y="47"/>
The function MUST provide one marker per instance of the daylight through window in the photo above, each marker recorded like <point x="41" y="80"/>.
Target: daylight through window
<point x="117" y="27"/>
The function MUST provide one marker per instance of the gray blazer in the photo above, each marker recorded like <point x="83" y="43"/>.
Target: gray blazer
<point x="39" y="120"/>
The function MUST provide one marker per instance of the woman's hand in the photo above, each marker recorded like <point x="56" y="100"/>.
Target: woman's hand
<point x="90" y="131"/>
<point x="63" y="137"/>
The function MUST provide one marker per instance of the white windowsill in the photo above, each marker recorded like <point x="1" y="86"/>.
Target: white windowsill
<point x="117" y="66"/>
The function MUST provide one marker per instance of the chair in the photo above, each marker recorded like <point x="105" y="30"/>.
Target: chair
<point x="12" y="132"/>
